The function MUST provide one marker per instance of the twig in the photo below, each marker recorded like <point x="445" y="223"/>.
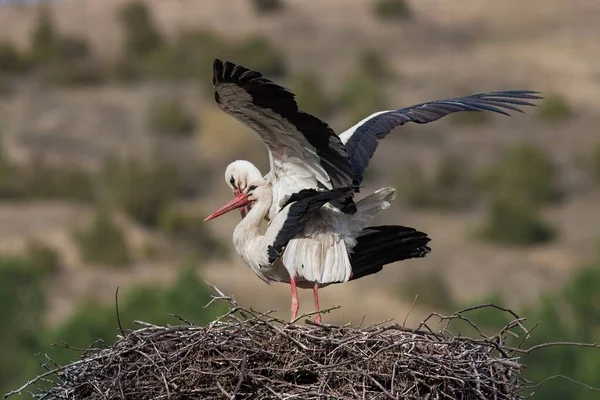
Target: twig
<point x="409" y="310"/>
<point x="117" y="310"/>
<point x="239" y="384"/>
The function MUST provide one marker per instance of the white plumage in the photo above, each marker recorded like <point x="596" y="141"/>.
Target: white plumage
<point x="305" y="153"/>
<point x="318" y="255"/>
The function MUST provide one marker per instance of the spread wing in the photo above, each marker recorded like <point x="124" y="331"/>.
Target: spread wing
<point x="304" y="151"/>
<point x="363" y="138"/>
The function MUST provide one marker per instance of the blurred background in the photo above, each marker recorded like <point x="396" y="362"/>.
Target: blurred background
<point x="112" y="152"/>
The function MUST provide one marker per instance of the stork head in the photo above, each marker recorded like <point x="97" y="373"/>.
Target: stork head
<point x="238" y="176"/>
<point x="257" y="190"/>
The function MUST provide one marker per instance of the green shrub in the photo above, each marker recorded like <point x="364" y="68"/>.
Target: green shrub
<point x="452" y="187"/>
<point x="43" y="256"/>
<point x="309" y="94"/>
<point x="142" y="190"/>
<point x="527" y="172"/>
<point x="268" y="6"/>
<point x="171" y="117"/>
<point x="10" y="185"/>
<point x="103" y="242"/>
<point x="191" y="228"/>
<point x="374" y="65"/>
<point x="258" y="53"/>
<point x="11" y="60"/>
<point x="44" y="40"/>
<point x="516" y="222"/>
<point x="63" y="60"/>
<point x="5" y="86"/>
<point x="41" y="180"/>
<point x="22" y="312"/>
<point x="361" y="96"/>
<point x="141" y="35"/>
<point x="432" y="289"/>
<point x="85" y="72"/>
<point x="392" y="10"/>
<point x="554" y="108"/>
<point x="595" y="162"/>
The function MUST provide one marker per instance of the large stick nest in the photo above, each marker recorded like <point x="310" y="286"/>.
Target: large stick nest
<point x="247" y="354"/>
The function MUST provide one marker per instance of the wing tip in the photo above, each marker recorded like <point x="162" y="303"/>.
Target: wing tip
<point x="230" y="72"/>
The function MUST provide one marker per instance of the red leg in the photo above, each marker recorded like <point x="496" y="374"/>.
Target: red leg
<point x="316" y="293"/>
<point x="295" y="303"/>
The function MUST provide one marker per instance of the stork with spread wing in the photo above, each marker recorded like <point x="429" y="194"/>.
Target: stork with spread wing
<point x="306" y="154"/>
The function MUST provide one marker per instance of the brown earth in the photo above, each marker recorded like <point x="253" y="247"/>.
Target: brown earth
<point x="448" y="49"/>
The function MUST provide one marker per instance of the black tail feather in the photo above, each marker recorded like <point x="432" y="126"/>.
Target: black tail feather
<point x="380" y="245"/>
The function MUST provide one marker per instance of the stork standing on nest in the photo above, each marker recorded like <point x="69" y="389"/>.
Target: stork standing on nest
<point x="296" y="246"/>
<point x="305" y="153"/>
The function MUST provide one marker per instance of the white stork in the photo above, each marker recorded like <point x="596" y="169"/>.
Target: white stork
<point x="304" y="152"/>
<point x="296" y="245"/>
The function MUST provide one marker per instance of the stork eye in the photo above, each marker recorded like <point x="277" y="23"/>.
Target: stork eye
<point x="251" y="188"/>
<point x="232" y="181"/>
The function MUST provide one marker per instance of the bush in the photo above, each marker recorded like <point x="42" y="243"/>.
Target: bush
<point x="555" y="108"/>
<point x="516" y="222"/>
<point x="142" y="190"/>
<point x="309" y="94"/>
<point x="361" y="96"/>
<point x="104" y="242"/>
<point x="392" y="10"/>
<point x="75" y="73"/>
<point x="22" y="311"/>
<point x="595" y="162"/>
<point x="525" y="172"/>
<point x="63" y="60"/>
<point x="268" y="6"/>
<point x="452" y="187"/>
<point x="257" y="53"/>
<point x="432" y="289"/>
<point x="43" y="256"/>
<point x="10" y="59"/>
<point x="190" y="228"/>
<point x="41" y="180"/>
<point x="171" y="117"/>
<point x="44" y="39"/>
<point x="374" y="65"/>
<point x="141" y="35"/>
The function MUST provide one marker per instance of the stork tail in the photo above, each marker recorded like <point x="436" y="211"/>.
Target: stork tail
<point x="380" y="245"/>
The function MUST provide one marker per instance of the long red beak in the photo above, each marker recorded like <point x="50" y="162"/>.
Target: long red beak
<point x="240" y="200"/>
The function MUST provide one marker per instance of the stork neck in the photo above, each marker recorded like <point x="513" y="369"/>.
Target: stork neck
<point x="250" y="225"/>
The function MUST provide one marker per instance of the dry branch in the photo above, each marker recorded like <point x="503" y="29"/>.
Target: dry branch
<point x="247" y="354"/>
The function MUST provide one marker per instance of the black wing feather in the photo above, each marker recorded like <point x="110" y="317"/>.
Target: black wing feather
<point x="306" y="204"/>
<point x="267" y="94"/>
<point x="377" y="246"/>
<point x="368" y="134"/>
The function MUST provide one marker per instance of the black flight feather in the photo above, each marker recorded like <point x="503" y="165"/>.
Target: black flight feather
<point x="307" y="204"/>
<point x="377" y="246"/>
<point x="267" y="94"/>
<point x="364" y="141"/>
